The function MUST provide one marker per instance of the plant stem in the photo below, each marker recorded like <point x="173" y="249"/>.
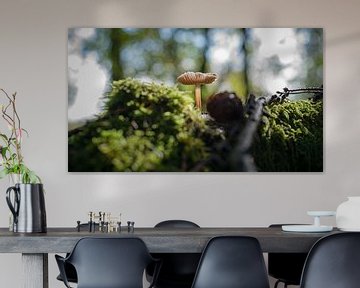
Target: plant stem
<point x="198" y="96"/>
<point x="14" y="123"/>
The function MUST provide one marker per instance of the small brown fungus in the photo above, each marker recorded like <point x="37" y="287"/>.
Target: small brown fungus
<point x="197" y="79"/>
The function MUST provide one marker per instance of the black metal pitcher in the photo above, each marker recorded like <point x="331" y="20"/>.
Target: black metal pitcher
<point x="28" y="208"/>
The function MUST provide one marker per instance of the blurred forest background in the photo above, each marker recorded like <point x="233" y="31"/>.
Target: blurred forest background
<point x="259" y="60"/>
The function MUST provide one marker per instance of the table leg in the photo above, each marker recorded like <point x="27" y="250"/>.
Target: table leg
<point x="35" y="270"/>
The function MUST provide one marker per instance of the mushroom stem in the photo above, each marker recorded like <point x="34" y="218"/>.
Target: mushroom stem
<point x="198" y="96"/>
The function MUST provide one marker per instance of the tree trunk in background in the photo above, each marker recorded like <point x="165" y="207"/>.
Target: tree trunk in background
<point x="203" y="61"/>
<point x="115" y="36"/>
<point x="245" y="35"/>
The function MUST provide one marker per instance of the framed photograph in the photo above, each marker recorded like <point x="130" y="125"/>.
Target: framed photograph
<point x="195" y="100"/>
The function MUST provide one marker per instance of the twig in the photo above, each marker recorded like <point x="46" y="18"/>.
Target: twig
<point x="282" y="95"/>
<point x="241" y="158"/>
<point x="14" y="122"/>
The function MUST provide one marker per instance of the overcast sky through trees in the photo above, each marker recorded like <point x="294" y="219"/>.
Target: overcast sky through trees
<point x="276" y="60"/>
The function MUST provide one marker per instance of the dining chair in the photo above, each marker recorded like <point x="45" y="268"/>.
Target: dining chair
<point x="178" y="269"/>
<point x="70" y="271"/>
<point x="231" y="262"/>
<point x="333" y="262"/>
<point x="285" y="267"/>
<point x="108" y="263"/>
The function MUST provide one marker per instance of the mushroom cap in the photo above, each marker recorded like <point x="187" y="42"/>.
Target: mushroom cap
<point x="191" y="78"/>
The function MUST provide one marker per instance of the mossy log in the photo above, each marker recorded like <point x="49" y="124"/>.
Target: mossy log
<point x="291" y="137"/>
<point x="144" y="127"/>
<point x="151" y="127"/>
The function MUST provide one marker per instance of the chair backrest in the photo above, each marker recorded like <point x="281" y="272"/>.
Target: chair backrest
<point x="176" y="224"/>
<point x="110" y="262"/>
<point x="333" y="262"/>
<point x="178" y="269"/>
<point x="232" y="262"/>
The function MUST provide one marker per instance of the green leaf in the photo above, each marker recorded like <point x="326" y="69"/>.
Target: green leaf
<point x="4" y="137"/>
<point x="3" y="151"/>
<point x="4" y="173"/>
<point x="26" y="132"/>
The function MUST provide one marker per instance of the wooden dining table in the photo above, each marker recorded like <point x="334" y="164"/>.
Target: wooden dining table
<point x="35" y="247"/>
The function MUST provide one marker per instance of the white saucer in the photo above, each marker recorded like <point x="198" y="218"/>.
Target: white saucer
<point x="321" y="213"/>
<point x="306" y="228"/>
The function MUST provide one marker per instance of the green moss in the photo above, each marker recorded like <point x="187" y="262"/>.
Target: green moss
<point x="291" y="138"/>
<point x="144" y="127"/>
<point x="152" y="127"/>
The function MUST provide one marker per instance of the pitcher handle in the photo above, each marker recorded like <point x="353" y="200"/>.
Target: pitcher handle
<point x="13" y="208"/>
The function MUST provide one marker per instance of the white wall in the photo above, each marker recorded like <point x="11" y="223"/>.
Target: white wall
<point x="33" y="62"/>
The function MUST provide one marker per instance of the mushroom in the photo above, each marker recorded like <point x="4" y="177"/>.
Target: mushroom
<point x="197" y="78"/>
